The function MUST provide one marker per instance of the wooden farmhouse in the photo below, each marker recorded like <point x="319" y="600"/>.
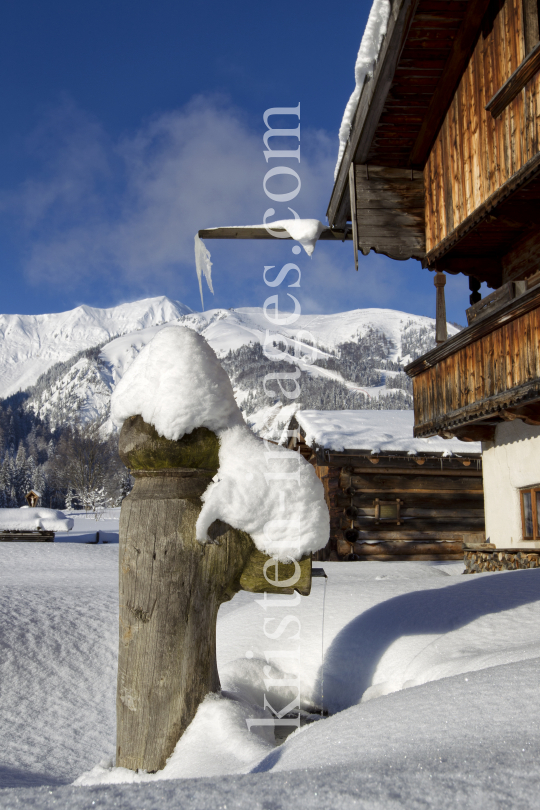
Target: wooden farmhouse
<point x="391" y="496"/>
<point x="443" y="165"/>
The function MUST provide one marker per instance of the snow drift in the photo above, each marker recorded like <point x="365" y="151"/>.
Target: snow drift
<point x="30" y="520"/>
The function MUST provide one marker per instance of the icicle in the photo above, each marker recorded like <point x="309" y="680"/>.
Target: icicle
<point x="203" y="265"/>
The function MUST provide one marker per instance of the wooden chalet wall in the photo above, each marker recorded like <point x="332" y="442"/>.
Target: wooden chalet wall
<point x="389" y="211"/>
<point x="474" y="153"/>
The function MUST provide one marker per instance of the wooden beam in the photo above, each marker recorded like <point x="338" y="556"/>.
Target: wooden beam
<point x="472" y="433"/>
<point x="463" y="47"/>
<point x="352" y="195"/>
<point x="260" y="232"/>
<point x="370" y="107"/>
<point x="529" y="413"/>
<point x="481" y="267"/>
<point x="530" y="24"/>
<point x="515" y="84"/>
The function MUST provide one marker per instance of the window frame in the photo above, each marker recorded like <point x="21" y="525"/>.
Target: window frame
<point x="532" y="491"/>
<point x="395" y="503"/>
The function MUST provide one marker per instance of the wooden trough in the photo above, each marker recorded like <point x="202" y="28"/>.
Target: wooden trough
<point x="27" y="537"/>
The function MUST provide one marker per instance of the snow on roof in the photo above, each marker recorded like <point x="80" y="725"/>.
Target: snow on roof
<point x="365" y="62"/>
<point x="376" y="431"/>
<point x="29" y="520"/>
<point x="177" y="384"/>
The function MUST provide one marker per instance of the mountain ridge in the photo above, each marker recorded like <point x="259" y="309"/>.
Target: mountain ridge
<point x="351" y="359"/>
<point x="31" y="344"/>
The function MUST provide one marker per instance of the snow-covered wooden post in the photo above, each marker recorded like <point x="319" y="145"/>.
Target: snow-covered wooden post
<point x="171" y="587"/>
<point x="179" y="560"/>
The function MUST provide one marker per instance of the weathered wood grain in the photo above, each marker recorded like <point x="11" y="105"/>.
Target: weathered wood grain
<point x="254" y="580"/>
<point x="484" y="153"/>
<point x="499" y="358"/>
<point x="390" y="211"/>
<point x="171" y="587"/>
<point x="517" y="81"/>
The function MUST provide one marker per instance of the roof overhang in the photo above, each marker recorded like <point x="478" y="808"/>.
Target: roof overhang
<point x="401" y="109"/>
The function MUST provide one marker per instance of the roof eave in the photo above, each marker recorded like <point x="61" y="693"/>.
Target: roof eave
<point x="369" y="109"/>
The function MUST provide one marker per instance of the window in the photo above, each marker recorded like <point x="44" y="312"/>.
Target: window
<point x="530" y="513"/>
<point x="387" y="510"/>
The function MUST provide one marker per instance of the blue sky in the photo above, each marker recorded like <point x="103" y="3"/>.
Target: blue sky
<point x="128" y="125"/>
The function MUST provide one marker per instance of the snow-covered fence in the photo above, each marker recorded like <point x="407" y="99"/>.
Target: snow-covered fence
<point x="204" y="516"/>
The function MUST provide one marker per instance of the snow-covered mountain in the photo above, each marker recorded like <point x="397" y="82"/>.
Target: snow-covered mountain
<point x="68" y="363"/>
<point x="31" y="344"/>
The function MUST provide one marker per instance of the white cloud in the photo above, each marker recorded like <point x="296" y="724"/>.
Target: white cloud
<point x="122" y="214"/>
<point x="126" y="212"/>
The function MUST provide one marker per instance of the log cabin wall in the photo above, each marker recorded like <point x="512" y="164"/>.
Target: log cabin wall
<point x="474" y="154"/>
<point x="441" y="506"/>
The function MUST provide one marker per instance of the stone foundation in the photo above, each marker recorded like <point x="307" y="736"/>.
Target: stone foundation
<point x="476" y="562"/>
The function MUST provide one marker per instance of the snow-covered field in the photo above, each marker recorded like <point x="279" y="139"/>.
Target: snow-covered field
<point x="431" y="680"/>
<point x="91" y="527"/>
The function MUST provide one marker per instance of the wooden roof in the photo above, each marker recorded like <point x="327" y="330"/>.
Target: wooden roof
<point x="401" y="108"/>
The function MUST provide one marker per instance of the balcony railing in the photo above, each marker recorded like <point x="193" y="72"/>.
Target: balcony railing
<point x="485" y="374"/>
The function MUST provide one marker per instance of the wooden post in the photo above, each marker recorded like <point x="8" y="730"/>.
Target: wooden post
<point x="171" y="587"/>
<point x="474" y="287"/>
<point x="441" y="334"/>
<point x="352" y="194"/>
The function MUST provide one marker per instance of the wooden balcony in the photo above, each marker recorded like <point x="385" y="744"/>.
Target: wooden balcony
<point x="487" y="373"/>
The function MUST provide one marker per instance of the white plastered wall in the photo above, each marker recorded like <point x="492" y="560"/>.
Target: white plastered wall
<point x="510" y="462"/>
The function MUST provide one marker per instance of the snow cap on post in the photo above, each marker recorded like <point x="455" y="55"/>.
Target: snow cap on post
<point x="176" y="384"/>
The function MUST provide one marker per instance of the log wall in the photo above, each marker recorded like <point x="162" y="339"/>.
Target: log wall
<point x="442" y="506"/>
<point x="475" y="154"/>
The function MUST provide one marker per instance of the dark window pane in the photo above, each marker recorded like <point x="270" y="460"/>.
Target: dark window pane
<point x="388" y="511"/>
<point x="537" y="493"/>
<point x="527" y="514"/>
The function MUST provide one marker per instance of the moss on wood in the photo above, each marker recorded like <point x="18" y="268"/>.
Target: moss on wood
<point x="253" y="576"/>
<point x="142" y="448"/>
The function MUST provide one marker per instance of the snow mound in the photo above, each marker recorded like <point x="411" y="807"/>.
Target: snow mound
<point x="377" y="431"/>
<point x="30" y="520"/>
<point x="365" y="62"/>
<point x="269" y="492"/>
<point x="176" y="384"/>
<point x="220" y="722"/>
